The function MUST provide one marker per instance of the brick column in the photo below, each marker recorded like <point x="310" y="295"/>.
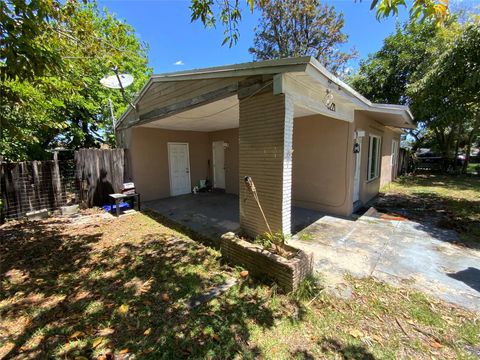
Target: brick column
<point x="265" y="154"/>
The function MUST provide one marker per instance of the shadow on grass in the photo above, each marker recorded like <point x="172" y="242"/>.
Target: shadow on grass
<point x="64" y="294"/>
<point x="345" y="351"/>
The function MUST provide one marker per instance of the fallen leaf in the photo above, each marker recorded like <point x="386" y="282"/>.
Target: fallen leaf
<point x="165" y="297"/>
<point x="355" y="333"/>
<point x="216" y="337"/>
<point x="123" y="351"/>
<point x="105" y="331"/>
<point x="97" y="342"/>
<point x="147" y="332"/>
<point x="436" y="345"/>
<point x="377" y="338"/>
<point x="244" y="273"/>
<point x="123" y="309"/>
<point x="77" y="334"/>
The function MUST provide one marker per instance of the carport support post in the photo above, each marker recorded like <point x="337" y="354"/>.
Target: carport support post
<point x="265" y="154"/>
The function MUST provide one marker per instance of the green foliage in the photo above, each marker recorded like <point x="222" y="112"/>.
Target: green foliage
<point x="270" y="241"/>
<point x="436" y="10"/>
<point x="448" y="95"/>
<point x="61" y="102"/>
<point x="308" y="288"/>
<point x="289" y="28"/>
<point x="230" y="12"/>
<point x="434" y="70"/>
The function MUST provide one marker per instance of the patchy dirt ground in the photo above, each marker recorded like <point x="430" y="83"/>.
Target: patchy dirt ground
<point x="104" y="288"/>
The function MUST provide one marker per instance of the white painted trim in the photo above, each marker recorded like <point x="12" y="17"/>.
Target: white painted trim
<point x="170" y="168"/>
<point x="357" y="177"/>
<point x="394" y="159"/>
<point x="310" y="98"/>
<point x="287" y="166"/>
<point x="379" y="158"/>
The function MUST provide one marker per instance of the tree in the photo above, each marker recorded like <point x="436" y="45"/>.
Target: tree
<point x="290" y="28"/>
<point x="230" y="12"/>
<point x="404" y="58"/>
<point x="64" y="104"/>
<point x="448" y="95"/>
<point x="435" y="70"/>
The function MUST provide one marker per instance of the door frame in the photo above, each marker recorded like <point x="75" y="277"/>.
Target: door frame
<point x="358" y="138"/>
<point x="170" y="167"/>
<point x="395" y="155"/>
<point x="213" y="163"/>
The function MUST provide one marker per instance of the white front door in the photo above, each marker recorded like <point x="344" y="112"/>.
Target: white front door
<point x="218" y="165"/>
<point x="358" y="167"/>
<point x="179" y="167"/>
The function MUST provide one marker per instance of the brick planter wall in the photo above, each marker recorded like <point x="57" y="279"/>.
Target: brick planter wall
<point x="288" y="273"/>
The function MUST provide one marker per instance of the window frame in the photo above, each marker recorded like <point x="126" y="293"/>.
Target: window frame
<point x="376" y="174"/>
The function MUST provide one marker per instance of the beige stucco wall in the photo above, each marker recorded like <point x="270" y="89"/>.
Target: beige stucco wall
<point x="322" y="164"/>
<point x="369" y="189"/>
<point x="149" y="159"/>
<point x="231" y="158"/>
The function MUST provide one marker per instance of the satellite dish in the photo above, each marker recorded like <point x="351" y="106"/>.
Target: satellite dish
<point x="117" y="81"/>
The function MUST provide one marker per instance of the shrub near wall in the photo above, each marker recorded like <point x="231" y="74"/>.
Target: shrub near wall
<point x="287" y="273"/>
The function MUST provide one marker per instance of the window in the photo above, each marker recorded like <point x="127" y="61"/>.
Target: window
<point x="373" y="157"/>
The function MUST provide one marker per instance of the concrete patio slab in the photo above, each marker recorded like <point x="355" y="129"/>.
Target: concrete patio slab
<point x="213" y="214"/>
<point x="398" y="252"/>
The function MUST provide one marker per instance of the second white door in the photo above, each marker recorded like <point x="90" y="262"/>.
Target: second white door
<point x="179" y="166"/>
<point x="218" y="165"/>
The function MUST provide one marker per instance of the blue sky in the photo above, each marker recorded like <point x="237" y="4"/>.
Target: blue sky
<point x="165" y="25"/>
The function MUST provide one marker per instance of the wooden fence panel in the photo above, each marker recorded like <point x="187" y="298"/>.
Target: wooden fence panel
<point x="35" y="185"/>
<point x="99" y="173"/>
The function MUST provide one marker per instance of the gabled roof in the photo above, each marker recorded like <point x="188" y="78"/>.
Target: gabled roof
<point x="274" y="67"/>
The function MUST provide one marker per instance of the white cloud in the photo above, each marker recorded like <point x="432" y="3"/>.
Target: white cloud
<point x="179" y="63"/>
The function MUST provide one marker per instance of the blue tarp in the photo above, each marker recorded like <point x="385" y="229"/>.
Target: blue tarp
<point x="122" y="206"/>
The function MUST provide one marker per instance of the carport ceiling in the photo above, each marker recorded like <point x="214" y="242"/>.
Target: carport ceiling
<point x="219" y="115"/>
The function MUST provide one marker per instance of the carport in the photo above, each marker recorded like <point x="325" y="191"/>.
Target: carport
<point x="228" y="122"/>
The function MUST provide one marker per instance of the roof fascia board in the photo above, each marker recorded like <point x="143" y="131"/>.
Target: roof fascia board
<point x="359" y="99"/>
<point x="243" y="69"/>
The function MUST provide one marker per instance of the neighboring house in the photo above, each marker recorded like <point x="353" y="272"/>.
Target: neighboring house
<point x="306" y="138"/>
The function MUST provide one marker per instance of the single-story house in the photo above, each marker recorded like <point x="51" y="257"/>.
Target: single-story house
<point x="305" y="138"/>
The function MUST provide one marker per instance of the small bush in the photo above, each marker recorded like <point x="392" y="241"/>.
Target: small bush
<point x="308" y="288"/>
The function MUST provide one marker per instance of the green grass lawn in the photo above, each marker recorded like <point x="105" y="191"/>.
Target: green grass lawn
<point x="450" y="201"/>
<point x="121" y="286"/>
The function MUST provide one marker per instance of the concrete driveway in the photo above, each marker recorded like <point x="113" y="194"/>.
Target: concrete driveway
<point x="397" y="251"/>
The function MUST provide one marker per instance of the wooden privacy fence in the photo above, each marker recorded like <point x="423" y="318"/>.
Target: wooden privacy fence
<point x="35" y="185"/>
<point x="99" y="173"/>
